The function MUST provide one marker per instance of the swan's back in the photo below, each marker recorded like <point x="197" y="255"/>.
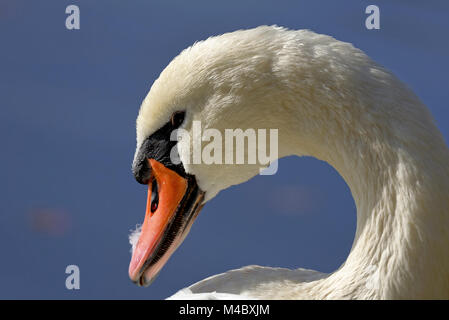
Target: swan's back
<point x="250" y="281"/>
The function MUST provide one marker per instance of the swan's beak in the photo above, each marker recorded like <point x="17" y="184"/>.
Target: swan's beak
<point x="172" y="205"/>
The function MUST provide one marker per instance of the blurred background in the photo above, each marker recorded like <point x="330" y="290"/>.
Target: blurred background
<point x="68" y="104"/>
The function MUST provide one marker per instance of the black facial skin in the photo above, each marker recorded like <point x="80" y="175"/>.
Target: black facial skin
<point x="158" y="147"/>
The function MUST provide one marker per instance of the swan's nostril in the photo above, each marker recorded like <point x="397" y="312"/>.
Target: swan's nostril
<point x="154" y="196"/>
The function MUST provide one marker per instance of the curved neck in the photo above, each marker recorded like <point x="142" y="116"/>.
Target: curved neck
<point x="399" y="179"/>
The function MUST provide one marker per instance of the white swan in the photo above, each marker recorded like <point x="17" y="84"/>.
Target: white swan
<point x="330" y="101"/>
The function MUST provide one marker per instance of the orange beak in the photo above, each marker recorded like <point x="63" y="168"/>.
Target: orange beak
<point x="172" y="205"/>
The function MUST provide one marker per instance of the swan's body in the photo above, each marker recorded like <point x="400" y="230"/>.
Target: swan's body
<point x="330" y="101"/>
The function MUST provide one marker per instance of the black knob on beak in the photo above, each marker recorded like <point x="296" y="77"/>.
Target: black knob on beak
<point x="159" y="147"/>
<point x="142" y="170"/>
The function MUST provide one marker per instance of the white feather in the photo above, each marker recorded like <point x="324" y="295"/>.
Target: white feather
<point x="134" y="237"/>
<point x="331" y="101"/>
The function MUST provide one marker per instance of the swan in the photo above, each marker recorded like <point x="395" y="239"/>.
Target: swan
<point x="328" y="100"/>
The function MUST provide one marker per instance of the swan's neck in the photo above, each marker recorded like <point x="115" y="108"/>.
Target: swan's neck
<point x="399" y="178"/>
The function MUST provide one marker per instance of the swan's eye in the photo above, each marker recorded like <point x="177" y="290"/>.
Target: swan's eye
<point x="177" y="118"/>
<point x="154" y="195"/>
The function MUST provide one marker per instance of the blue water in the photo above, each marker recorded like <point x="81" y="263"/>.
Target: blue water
<point x="69" y="100"/>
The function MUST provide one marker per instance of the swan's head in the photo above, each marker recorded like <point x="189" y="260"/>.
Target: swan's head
<point x="210" y="85"/>
<point x="217" y="83"/>
<point x="242" y="80"/>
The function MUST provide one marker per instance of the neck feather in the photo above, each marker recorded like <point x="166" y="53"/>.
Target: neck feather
<point x="397" y="171"/>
